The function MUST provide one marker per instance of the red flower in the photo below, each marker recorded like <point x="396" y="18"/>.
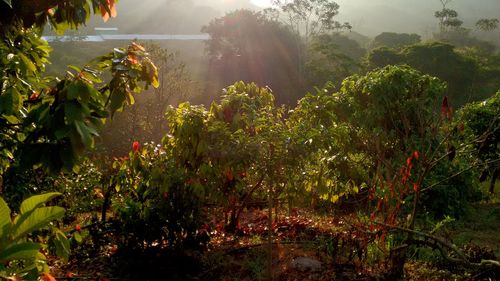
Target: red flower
<point x="415" y="187"/>
<point x="47" y="277"/>
<point x="78" y="228"/>
<point x="136" y="146"/>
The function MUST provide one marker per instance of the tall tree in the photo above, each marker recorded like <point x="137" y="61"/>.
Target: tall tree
<point x="448" y="18"/>
<point x="487" y="24"/>
<point x="248" y="46"/>
<point x="307" y="18"/>
<point x="310" y="17"/>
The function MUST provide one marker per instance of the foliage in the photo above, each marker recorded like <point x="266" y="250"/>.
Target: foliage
<point x="50" y="122"/>
<point x="395" y="40"/>
<point x="323" y="164"/>
<point x="332" y="57"/>
<point x="81" y="191"/>
<point x="145" y="120"/>
<point x="20" y="253"/>
<point x="310" y="17"/>
<point x="448" y="18"/>
<point x="462" y="37"/>
<point x="487" y="24"/>
<point x="61" y="14"/>
<point x="158" y="203"/>
<point x="237" y="52"/>
<point x="479" y="124"/>
<point x="467" y="77"/>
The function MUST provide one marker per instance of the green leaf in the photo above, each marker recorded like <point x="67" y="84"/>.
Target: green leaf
<point x="22" y="251"/>
<point x="62" y="245"/>
<point x="27" y="62"/>
<point x="10" y="101"/>
<point x="118" y="97"/>
<point x="5" y="221"/>
<point x="36" y="201"/>
<point x="86" y="133"/>
<point x="36" y="220"/>
<point x="77" y="237"/>
<point x="82" y="91"/>
<point x="74" y="111"/>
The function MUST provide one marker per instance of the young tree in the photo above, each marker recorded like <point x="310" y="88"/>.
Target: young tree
<point x="51" y="121"/>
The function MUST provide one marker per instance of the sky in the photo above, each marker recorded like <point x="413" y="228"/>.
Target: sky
<point x="373" y="16"/>
<point x="261" y="3"/>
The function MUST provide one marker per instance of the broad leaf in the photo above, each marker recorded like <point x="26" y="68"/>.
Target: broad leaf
<point x="26" y="250"/>
<point x="62" y="245"/>
<point x="39" y="218"/>
<point x="36" y="201"/>
<point x="5" y="221"/>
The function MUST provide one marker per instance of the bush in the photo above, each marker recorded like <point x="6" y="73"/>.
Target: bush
<point x="157" y="202"/>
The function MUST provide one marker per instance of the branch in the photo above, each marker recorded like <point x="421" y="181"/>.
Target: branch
<point x="457" y="174"/>
<point x="441" y="244"/>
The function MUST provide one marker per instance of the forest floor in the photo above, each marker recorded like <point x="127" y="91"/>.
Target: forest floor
<point x="244" y="255"/>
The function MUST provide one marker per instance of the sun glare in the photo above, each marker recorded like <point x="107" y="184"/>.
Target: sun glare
<point x="261" y="3"/>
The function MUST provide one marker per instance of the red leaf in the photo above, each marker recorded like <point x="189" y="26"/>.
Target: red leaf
<point x="416" y="154"/>
<point x="34" y="95"/>
<point x="132" y="59"/>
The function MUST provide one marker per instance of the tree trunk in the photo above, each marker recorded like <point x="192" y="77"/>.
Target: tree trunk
<point x="494" y="177"/>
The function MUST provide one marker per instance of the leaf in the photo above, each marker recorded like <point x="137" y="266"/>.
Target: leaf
<point x="10" y="101"/>
<point x="77" y="237"/>
<point x="74" y="111"/>
<point x="62" y="245"/>
<point x="27" y="62"/>
<point x="5" y="221"/>
<point x="36" y="201"/>
<point x="8" y="2"/>
<point x="86" y="133"/>
<point x="25" y="250"/>
<point x="36" y="220"/>
<point x="117" y="100"/>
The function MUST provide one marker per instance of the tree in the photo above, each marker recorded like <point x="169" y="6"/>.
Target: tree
<point x="61" y="14"/>
<point x="448" y="18"/>
<point x="487" y="24"/>
<point x="307" y="18"/>
<point x="395" y="40"/>
<point x="332" y="57"/>
<point x="467" y="79"/>
<point x="310" y="17"/>
<point x="247" y="46"/>
<point x="51" y="121"/>
<point x="479" y="124"/>
<point x="145" y="121"/>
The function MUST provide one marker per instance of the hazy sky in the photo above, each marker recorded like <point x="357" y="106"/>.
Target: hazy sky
<point x="373" y="16"/>
<point x="260" y="3"/>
